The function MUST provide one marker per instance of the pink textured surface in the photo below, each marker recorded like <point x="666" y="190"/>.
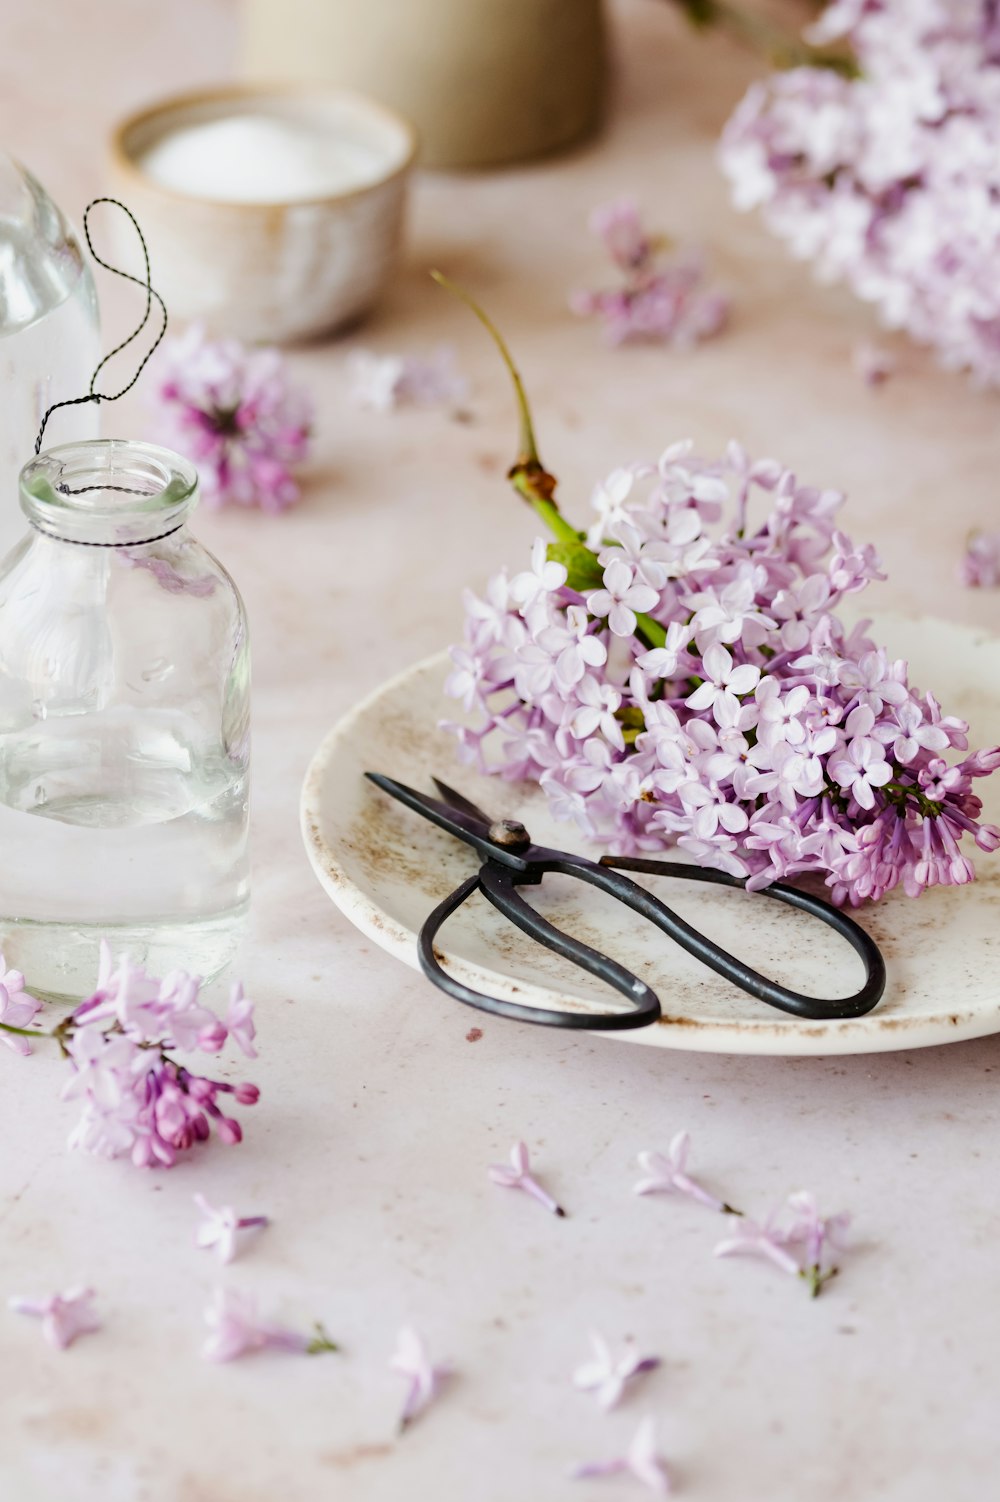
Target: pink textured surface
<point x="378" y="1117"/>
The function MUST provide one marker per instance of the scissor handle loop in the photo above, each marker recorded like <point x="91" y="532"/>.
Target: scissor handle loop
<point x="719" y="959"/>
<point x="498" y="887"/>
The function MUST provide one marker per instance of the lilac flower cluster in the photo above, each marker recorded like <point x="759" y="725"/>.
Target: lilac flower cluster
<point x="661" y="297"/>
<point x="233" y="413"/>
<point x="137" y="1100"/>
<point x="683" y="676"/>
<point x="890" y="180"/>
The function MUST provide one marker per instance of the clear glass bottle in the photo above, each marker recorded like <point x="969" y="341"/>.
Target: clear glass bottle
<point x="49" y="336"/>
<point x="124" y="724"/>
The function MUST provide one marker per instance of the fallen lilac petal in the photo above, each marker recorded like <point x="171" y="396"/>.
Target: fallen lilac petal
<point x="239" y="1020"/>
<point x="236" y="1330"/>
<point x="818" y="1235"/>
<point x="641" y="1460"/>
<point x="219" y="1227"/>
<point x="383" y="382"/>
<point x="425" y="1380"/>
<point x="753" y="1240"/>
<point x="64" y="1316"/>
<point x="667" y="1175"/>
<point x="607" y="1377"/>
<point x="517" y="1176"/>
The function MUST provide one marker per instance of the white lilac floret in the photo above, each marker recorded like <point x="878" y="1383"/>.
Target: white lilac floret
<point x="518" y="1175"/>
<point x="642" y="1461"/>
<point x="235" y="1329"/>
<point x="219" y="1228"/>
<point x="889" y="180"/>
<point x="668" y="1175"/>
<point x="724" y="705"/>
<point x="64" y="1316"/>
<point x="606" y="1375"/>
<point x="424" y="1379"/>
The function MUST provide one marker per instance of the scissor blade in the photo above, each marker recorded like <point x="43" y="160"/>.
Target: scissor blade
<point x="456" y="800"/>
<point x="462" y="825"/>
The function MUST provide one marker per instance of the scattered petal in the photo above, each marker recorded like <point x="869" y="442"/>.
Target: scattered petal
<point x="668" y="1175"/>
<point x="219" y="1227"/>
<point x="642" y="1461"/>
<point x="64" y="1316"/>
<point x="425" y="1380"/>
<point x="606" y="1376"/>
<point x="518" y="1176"/>
<point x="383" y="382"/>
<point x="236" y="1330"/>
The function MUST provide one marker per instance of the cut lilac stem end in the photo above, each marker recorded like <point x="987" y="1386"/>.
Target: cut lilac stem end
<point x="321" y="1342"/>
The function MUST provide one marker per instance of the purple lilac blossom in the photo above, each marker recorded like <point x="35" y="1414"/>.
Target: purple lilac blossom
<point x="661" y="298"/>
<point x="890" y="181"/>
<point x="724" y="706"/>
<point x="233" y="412"/>
<point x="136" y="1098"/>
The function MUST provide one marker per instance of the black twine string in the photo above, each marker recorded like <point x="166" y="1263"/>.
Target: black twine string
<point x="151" y="293"/>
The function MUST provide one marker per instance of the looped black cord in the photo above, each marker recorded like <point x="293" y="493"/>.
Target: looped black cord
<point x="151" y="294"/>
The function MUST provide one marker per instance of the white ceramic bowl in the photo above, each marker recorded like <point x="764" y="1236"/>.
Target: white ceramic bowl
<point x="270" y="271"/>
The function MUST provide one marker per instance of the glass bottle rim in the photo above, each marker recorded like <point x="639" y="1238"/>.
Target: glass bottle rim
<point x="108" y="492"/>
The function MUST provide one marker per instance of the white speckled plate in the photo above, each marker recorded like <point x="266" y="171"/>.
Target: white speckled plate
<point x="386" y="868"/>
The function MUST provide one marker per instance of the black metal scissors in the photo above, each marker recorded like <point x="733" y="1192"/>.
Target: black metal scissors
<point x="510" y="860"/>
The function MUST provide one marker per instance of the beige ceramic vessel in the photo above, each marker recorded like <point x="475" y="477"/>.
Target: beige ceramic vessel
<point x="486" y="82"/>
<point x="271" y="272"/>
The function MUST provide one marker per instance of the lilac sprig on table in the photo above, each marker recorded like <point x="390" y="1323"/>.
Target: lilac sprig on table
<point x="235" y="414"/>
<point x="679" y="673"/>
<point x="889" y="180"/>
<point x="137" y="1098"/>
<point x="662" y="296"/>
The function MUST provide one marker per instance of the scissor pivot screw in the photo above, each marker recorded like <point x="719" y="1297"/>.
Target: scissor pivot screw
<point x="510" y="834"/>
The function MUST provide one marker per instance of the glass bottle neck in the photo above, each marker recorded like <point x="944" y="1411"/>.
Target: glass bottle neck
<point x="110" y="492"/>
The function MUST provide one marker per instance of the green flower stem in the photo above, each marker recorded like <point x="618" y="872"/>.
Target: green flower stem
<point x="320" y="1342"/>
<point x="24" y="1032"/>
<point x="528" y="475"/>
<point x="781" y="49"/>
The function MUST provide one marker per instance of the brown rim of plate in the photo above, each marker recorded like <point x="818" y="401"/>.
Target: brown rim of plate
<point x="126" y="163"/>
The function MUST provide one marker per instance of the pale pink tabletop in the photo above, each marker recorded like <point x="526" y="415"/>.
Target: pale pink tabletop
<point x="378" y="1117"/>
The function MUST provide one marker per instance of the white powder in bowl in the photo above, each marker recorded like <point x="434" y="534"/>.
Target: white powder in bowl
<point x="260" y="159"/>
